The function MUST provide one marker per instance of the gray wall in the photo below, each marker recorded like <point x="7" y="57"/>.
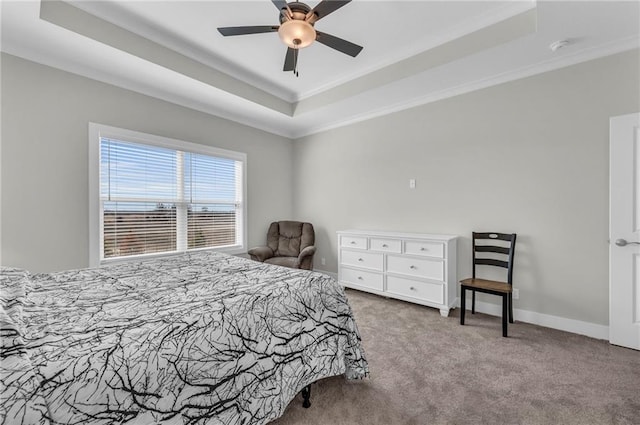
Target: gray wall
<point x="529" y="156"/>
<point x="44" y="180"/>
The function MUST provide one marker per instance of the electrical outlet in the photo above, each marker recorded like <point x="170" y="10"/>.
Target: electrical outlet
<point x="412" y="183"/>
<point x="323" y="261"/>
<point x="516" y="294"/>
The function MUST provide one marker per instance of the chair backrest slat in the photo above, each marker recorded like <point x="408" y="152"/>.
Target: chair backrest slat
<point x="488" y="245"/>
<point x="492" y="262"/>
<point x="491" y="248"/>
<point x="493" y="236"/>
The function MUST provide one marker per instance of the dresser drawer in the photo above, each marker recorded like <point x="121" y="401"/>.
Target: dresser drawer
<point x="418" y="267"/>
<point x="359" y="242"/>
<point x="367" y="260"/>
<point x="433" y="292"/>
<point x="385" y="245"/>
<point x="361" y="278"/>
<point x="428" y="249"/>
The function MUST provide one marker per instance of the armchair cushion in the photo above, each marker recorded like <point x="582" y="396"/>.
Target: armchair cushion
<point x="292" y="262"/>
<point x="285" y="238"/>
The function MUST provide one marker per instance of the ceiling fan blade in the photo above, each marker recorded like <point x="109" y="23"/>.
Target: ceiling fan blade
<point x="339" y="44"/>
<point x="280" y="4"/>
<point x="227" y="31"/>
<point x="326" y="7"/>
<point x="290" y="60"/>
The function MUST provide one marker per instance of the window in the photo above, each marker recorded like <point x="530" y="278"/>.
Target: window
<point x="153" y="195"/>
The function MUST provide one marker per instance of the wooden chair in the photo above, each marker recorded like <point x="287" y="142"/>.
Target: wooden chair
<point x="491" y="254"/>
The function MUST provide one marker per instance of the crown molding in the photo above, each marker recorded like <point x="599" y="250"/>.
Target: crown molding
<point x="470" y="26"/>
<point x="585" y="55"/>
<point x="114" y="14"/>
<point x="67" y="16"/>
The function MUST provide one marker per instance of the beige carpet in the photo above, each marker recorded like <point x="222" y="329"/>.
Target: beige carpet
<point x="427" y="369"/>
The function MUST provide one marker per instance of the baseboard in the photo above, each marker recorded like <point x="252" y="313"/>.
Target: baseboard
<point x="548" y="321"/>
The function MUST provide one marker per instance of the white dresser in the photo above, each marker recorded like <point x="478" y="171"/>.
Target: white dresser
<point x="419" y="268"/>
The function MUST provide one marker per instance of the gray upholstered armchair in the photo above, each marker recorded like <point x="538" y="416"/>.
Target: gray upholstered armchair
<point x="289" y="243"/>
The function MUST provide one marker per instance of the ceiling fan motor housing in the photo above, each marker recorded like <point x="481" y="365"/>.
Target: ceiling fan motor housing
<point x="299" y="11"/>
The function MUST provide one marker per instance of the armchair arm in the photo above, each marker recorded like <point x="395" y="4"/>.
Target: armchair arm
<point x="305" y="259"/>
<point x="307" y="252"/>
<point x="261" y="253"/>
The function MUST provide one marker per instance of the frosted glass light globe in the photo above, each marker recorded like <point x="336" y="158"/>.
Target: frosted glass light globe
<point x="296" y="33"/>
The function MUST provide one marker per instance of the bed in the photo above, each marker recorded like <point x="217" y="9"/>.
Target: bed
<point x="199" y="338"/>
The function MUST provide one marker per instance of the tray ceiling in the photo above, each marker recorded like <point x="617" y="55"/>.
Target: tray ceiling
<point x="414" y="52"/>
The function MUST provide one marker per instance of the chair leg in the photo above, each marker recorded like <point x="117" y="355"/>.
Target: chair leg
<point x="510" y="307"/>
<point x="463" y="303"/>
<point x="504" y="314"/>
<point x="473" y="302"/>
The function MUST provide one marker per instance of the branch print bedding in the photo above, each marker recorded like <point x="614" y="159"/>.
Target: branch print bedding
<point x="200" y="338"/>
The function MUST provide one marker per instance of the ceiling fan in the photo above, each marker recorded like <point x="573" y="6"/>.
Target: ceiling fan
<point x="297" y="31"/>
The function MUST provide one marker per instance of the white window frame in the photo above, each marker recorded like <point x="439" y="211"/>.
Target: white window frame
<point x="98" y="131"/>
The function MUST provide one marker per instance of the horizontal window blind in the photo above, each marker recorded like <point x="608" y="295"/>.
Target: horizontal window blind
<point x="211" y="225"/>
<point x="155" y="199"/>
<point x="132" y="228"/>
<point x="133" y="172"/>
<point x="210" y="179"/>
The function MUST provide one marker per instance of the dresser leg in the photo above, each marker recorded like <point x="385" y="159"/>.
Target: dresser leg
<point x="444" y="312"/>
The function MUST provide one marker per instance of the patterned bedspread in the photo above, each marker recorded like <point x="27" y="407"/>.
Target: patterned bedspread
<point x="200" y="338"/>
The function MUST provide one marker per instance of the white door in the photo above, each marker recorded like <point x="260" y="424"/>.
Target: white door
<point x="624" y="231"/>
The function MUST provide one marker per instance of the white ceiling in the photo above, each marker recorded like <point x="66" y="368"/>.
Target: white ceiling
<point x="414" y="52"/>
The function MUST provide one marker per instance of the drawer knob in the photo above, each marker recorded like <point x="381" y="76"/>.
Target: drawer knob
<point x="384" y="245"/>
<point x="352" y="242"/>
<point x="359" y="277"/>
<point x="413" y="267"/>
<point x="360" y="259"/>
<point x="423" y="249"/>
<point x="413" y="288"/>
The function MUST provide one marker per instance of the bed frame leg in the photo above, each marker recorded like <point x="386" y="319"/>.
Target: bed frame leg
<point x="306" y="395"/>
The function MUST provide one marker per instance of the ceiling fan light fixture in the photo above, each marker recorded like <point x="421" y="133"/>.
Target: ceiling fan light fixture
<point x="297" y="34"/>
<point x="296" y="29"/>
